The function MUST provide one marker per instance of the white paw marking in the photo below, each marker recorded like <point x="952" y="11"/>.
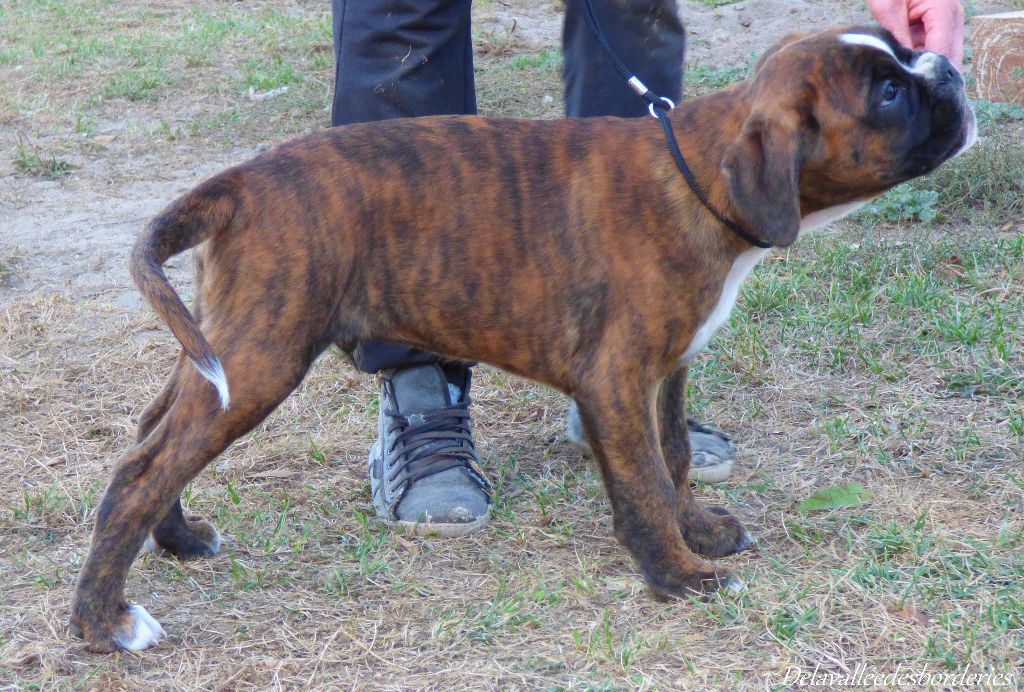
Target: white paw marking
<point x="748" y="540"/>
<point x="150" y="546"/>
<point x="215" y="548"/>
<point x="735" y="585"/>
<point x="140" y="632"/>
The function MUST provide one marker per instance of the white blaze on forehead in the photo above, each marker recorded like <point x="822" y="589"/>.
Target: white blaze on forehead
<point x="869" y="41"/>
<point x="926" y="64"/>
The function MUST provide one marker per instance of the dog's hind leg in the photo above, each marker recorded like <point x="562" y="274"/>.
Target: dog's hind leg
<point x="155" y="410"/>
<point x="621" y="426"/>
<point x="184" y="537"/>
<point x="712" y="532"/>
<point x="148" y="480"/>
<point x="175" y="534"/>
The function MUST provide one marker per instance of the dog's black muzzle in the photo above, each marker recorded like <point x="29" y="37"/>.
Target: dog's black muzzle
<point x="952" y="122"/>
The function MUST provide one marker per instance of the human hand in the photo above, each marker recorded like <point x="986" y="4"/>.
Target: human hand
<point x="935" y="25"/>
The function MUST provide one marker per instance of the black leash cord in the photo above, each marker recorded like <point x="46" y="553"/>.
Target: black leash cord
<point x="659" y="107"/>
<point x="653" y="100"/>
<point x="673" y="147"/>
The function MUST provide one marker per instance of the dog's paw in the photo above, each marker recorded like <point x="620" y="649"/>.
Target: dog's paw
<point x="190" y="541"/>
<point x="714" y="532"/>
<point x="137" y="630"/>
<point x="701" y="584"/>
<point x="746" y="542"/>
<point x="735" y="585"/>
<point x="129" y="628"/>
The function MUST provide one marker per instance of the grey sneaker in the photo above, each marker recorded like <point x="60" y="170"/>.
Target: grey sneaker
<point x="423" y="467"/>
<point x="713" y="451"/>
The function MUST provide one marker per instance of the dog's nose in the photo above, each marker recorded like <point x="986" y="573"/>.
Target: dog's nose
<point x="949" y="74"/>
<point x="937" y="69"/>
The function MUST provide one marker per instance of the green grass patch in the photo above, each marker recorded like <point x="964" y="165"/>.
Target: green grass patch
<point x="31" y="161"/>
<point x="983" y="185"/>
<point x="947" y="580"/>
<point x="704" y="78"/>
<point x="942" y="309"/>
<point x="520" y="84"/>
<point x="269" y="74"/>
<point x="137" y="84"/>
<point x="93" y="53"/>
<point x="545" y="60"/>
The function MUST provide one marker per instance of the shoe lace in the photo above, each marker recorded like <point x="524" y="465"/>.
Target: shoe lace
<point x="430" y="443"/>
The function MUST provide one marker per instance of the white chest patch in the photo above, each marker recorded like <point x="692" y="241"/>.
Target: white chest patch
<point x="817" y="219"/>
<point x="740" y="268"/>
<point x="743" y="266"/>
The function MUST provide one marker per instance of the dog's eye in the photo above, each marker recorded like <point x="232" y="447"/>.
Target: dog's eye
<point x="890" y="92"/>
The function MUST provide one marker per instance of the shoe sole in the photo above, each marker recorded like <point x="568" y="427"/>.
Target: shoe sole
<point x="715" y="473"/>
<point x="430" y="529"/>
<point x="422" y="528"/>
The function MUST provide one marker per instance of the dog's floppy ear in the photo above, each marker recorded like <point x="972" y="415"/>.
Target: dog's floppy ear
<point x="762" y="168"/>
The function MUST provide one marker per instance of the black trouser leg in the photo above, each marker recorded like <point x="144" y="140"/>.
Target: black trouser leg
<point x="648" y="37"/>
<point x="401" y="58"/>
<point x="397" y="59"/>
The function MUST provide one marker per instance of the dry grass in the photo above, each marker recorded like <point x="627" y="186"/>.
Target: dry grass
<point x="886" y="356"/>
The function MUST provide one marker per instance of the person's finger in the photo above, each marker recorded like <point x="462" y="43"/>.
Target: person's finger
<point x="956" y="53"/>
<point x="958" y="44"/>
<point x="892" y="15"/>
<point x="917" y="36"/>
<point x="943" y="22"/>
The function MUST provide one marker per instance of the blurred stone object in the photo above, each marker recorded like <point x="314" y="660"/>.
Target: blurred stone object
<point x="997" y="42"/>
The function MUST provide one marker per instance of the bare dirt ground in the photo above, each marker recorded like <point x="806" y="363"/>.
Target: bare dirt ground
<point x="305" y="594"/>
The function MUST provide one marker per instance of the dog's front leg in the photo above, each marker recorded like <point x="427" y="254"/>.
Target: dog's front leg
<point x="712" y="532"/>
<point x="620" y="424"/>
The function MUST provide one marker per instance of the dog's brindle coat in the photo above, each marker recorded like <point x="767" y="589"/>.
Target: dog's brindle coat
<point x="570" y="252"/>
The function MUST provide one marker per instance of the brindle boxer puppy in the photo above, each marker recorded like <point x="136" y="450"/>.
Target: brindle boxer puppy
<point x="571" y="252"/>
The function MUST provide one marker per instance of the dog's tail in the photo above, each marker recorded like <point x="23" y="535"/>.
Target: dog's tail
<point x="200" y="214"/>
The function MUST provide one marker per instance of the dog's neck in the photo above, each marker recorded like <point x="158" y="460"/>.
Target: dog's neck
<point x="725" y="111"/>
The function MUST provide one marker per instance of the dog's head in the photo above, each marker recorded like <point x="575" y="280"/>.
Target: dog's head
<point x="837" y="118"/>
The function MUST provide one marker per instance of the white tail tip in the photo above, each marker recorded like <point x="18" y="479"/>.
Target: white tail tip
<point x="211" y="369"/>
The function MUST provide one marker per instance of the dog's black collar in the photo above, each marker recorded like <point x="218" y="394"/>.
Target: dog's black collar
<point x="673" y="146"/>
<point x="659" y="106"/>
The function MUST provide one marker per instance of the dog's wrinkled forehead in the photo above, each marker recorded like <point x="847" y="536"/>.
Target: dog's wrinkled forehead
<point x="922" y="64"/>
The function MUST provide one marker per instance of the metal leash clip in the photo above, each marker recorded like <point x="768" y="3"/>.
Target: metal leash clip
<point x="658" y="106"/>
<point x="670" y="104"/>
<point x="652" y="99"/>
